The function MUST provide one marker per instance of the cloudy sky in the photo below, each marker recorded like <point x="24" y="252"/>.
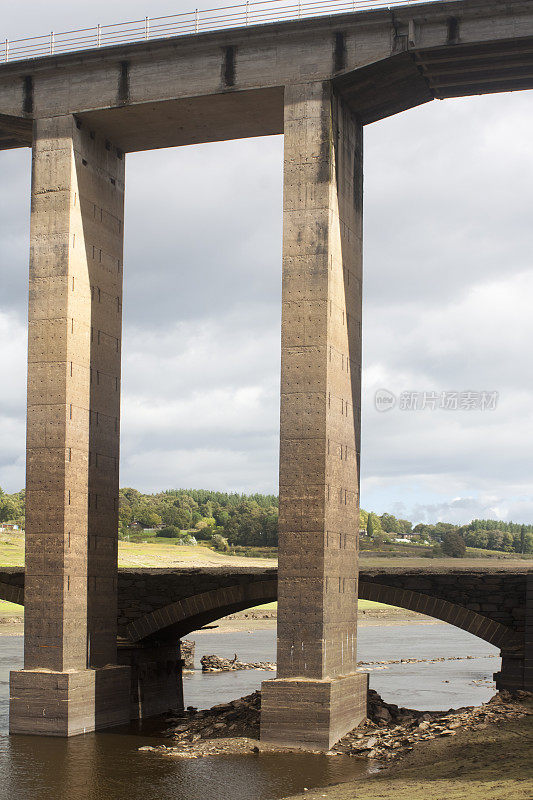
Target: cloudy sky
<point x="447" y="304"/>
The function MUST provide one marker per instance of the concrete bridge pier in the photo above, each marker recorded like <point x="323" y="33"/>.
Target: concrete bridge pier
<point x="156" y="675"/>
<point x="318" y="694"/>
<point x="71" y="682"/>
<point x="517" y="662"/>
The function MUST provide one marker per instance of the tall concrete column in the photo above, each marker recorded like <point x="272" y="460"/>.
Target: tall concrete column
<point x="318" y="695"/>
<point x="70" y="682"/>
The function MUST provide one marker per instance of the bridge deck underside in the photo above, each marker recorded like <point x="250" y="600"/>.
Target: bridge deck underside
<point x="15" y="132"/>
<point x="191" y="120"/>
<point x="415" y="77"/>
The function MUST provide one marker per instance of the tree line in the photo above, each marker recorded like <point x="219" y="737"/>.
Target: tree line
<point x="483" y="534"/>
<point x="228" y="519"/>
<point x="251" y="520"/>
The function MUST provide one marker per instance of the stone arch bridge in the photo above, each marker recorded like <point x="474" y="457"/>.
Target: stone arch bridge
<point x="156" y="607"/>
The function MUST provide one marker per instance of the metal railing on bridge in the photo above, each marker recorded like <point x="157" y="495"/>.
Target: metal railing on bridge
<point x="186" y="23"/>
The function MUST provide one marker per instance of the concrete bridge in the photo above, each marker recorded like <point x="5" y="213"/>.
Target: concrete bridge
<point x="156" y="607"/>
<point x="319" y="82"/>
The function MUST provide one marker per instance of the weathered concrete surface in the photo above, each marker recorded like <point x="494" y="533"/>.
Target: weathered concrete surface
<point x="72" y="435"/>
<point x="15" y="132"/>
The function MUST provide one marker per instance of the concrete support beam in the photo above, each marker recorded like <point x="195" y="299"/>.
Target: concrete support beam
<point x="69" y="683"/>
<point x="318" y="694"/>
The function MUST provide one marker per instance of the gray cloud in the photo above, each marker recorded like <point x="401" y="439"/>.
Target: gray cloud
<point x="212" y="240"/>
<point x="448" y="277"/>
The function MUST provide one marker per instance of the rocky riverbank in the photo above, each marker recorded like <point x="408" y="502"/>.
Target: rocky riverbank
<point x="389" y="731"/>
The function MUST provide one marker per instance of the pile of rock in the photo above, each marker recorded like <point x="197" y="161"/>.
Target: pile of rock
<point x="240" y="718"/>
<point x="218" y="664"/>
<point x="390" y="730"/>
<point x="388" y="663"/>
<point x="213" y="663"/>
<point x="187" y="653"/>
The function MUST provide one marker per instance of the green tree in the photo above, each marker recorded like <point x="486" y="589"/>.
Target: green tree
<point x="9" y="510"/>
<point x="453" y="544"/>
<point x="480" y="539"/>
<point x="390" y="524"/>
<point x="177" y="517"/>
<point x="220" y="543"/>
<point x="406" y="526"/>
<point x="373" y="525"/>
<point x="169" y="532"/>
<point x="147" y="518"/>
<point x="495" y="539"/>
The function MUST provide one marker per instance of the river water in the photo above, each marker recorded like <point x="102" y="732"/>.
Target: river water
<point x="108" y="766"/>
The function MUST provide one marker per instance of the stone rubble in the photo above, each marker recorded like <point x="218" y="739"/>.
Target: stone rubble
<point x="213" y="663"/>
<point x="218" y="664"/>
<point x="388" y="732"/>
<point x="187" y="648"/>
<point x="384" y="664"/>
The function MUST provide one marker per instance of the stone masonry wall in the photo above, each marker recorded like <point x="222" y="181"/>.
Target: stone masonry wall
<point x="499" y="595"/>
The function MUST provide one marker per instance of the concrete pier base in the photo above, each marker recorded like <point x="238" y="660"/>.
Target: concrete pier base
<point x="312" y="715"/>
<point x="50" y="703"/>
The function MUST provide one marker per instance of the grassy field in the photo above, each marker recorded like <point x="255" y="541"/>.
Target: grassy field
<point x="165" y="553"/>
<point x="11" y="549"/>
<point x="162" y="553"/>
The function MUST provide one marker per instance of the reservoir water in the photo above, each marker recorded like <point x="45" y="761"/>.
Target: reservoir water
<point x="108" y="766"/>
